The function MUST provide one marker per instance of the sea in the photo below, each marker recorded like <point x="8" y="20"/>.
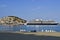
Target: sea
<point x="31" y="28"/>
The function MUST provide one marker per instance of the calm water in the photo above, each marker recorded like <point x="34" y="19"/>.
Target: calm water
<point x="27" y="28"/>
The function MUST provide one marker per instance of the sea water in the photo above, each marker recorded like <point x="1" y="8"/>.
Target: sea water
<point x="30" y="28"/>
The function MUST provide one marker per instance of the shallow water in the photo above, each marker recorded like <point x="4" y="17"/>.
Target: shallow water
<point x="27" y="28"/>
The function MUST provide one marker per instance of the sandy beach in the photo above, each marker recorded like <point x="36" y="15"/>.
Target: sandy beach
<point x="29" y="36"/>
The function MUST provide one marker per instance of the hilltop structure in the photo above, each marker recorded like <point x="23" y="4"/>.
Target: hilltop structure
<point x="12" y="20"/>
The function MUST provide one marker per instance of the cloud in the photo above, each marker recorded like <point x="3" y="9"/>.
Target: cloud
<point x="3" y="5"/>
<point x="33" y="0"/>
<point x="37" y="8"/>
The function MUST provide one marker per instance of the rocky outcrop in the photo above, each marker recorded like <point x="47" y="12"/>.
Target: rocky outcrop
<point x="12" y="20"/>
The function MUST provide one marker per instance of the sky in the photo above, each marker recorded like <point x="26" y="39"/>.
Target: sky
<point x="31" y="9"/>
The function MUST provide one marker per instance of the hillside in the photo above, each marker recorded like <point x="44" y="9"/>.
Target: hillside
<point x="12" y="20"/>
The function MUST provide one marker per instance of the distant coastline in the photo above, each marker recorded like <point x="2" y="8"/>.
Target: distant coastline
<point x="13" y="20"/>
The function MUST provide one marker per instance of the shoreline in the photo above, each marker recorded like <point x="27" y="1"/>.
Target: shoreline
<point x="29" y="36"/>
<point x="41" y="33"/>
<point x="57" y="34"/>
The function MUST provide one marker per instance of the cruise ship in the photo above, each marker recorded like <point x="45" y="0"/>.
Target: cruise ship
<point x="42" y="22"/>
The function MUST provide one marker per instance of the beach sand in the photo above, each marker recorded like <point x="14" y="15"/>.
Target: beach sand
<point x="29" y="36"/>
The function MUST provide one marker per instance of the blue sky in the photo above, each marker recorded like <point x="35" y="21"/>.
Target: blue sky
<point x="31" y="9"/>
